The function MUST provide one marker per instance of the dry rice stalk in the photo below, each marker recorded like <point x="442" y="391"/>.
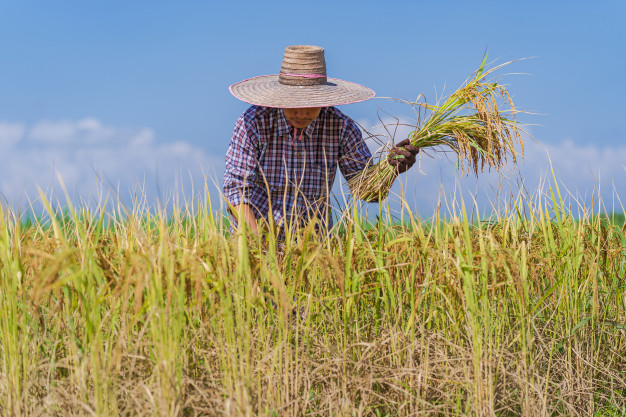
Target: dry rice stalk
<point x="485" y="136"/>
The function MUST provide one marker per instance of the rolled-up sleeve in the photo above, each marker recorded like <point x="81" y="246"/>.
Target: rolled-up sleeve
<point x="354" y="155"/>
<point x="241" y="170"/>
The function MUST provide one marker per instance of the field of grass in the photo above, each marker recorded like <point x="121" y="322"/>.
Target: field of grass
<point x="167" y="314"/>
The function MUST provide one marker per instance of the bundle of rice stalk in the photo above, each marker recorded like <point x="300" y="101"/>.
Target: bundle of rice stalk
<point x="471" y="122"/>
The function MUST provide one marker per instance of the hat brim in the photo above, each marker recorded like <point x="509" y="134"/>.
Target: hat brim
<point x="266" y="91"/>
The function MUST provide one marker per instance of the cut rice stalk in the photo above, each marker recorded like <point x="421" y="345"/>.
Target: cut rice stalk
<point x="484" y="135"/>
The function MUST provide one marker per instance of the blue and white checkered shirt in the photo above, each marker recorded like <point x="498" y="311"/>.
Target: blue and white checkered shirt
<point x="272" y="171"/>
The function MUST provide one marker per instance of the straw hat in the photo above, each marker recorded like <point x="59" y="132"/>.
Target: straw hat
<point x="302" y="82"/>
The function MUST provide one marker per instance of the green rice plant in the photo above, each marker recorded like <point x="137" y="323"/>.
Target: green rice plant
<point x="167" y="313"/>
<point x="15" y="332"/>
<point x="471" y="122"/>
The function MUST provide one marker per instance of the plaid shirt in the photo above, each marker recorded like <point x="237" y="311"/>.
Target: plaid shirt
<point x="272" y="171"/>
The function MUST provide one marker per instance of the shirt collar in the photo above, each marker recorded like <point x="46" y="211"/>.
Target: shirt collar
<point x="284" y="128"/>
<point x="309" y="129"/>
<point x="282" y="125"/>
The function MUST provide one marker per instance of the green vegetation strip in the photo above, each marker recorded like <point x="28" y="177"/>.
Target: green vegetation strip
<point x="169" y="315"/>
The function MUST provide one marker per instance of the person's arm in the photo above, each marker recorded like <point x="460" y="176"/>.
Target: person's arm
<point x="241" y="172"/>
<point x="246" y="215"/>
<point x="354" y="155"/>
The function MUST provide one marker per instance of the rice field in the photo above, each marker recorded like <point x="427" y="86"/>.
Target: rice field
<point x="111" y="312"/>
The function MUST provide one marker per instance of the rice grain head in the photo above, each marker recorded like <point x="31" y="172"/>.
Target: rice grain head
<point x="477" y="122"/>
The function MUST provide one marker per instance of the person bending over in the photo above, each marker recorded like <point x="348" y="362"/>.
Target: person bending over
<point x="283" y="157"/>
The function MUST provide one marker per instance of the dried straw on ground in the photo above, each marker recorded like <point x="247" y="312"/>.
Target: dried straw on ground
<point x="477" y="122"/>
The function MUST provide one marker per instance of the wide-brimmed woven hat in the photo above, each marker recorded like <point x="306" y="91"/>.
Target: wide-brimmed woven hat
<point x="302" y="82"/>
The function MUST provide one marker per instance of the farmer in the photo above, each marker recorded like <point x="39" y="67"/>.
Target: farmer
<point x="285" y="150"/>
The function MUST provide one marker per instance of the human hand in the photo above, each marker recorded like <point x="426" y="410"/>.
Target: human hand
<point x="403" y="155"/>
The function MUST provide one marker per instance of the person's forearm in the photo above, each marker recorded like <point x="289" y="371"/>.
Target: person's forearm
<point x="245" y="214"/>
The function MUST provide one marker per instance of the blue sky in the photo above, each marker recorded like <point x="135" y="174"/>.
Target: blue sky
<point x="140" y="89"/>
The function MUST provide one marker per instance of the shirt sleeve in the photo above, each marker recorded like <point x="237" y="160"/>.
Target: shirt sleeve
<point x="240" y="174"/>
<point x="354" y="155"/>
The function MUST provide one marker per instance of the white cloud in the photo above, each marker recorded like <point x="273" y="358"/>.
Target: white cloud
<point x="90" y="156"/>
<point x="10" y="134"/>
<point x="583" y="172"/>
<point x="84" y="132"/>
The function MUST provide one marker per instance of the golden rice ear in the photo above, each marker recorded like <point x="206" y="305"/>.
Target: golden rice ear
<point x="477" y="122"/>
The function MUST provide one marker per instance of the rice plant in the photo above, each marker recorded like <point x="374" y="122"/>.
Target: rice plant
<point x="136" y="312"/>
<point x="477" y="122"/>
